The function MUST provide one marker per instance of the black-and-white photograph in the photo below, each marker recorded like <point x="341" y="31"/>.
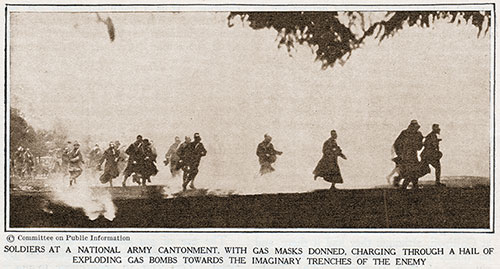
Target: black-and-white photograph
<point x="334" y="119"/>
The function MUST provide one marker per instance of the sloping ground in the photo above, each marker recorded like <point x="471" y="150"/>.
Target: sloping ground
<point x="430" y="207"/>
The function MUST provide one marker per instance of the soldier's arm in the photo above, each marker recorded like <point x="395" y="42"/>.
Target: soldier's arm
<point x="129" y="150"/>
<point x="341" y="154"/>
<point x="326" y="149"/>
<point x="203" y="150"/>
<point x="259" y="151"/>
<point x="420" y="140"/>
<point x="102" y="159"/>
<point x="277" y="152"/>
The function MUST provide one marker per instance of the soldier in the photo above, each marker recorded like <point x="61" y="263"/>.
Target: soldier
<point x="122" y="161"/>
<point x="95" y="156"/>
<point x="149" y="168"/>
<point x="267" y="155"/>
<point x="28" y="163"/>
<point x="191" y="157"/>
<point x="172" y="158"/>
<point x="111" y="156"/>
<point x="135" y="162"/>
<point x="328" y="167"/>
<point x="65" y="156"/>
<point x="406" y="146"/>
<point x="181" y="152"/>
<point x="431" y="154"/>
<point x="75" y="162"/>
<point x="19" y="161"/>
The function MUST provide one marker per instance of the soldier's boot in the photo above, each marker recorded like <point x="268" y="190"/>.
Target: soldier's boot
<point x="438" y="177"/>
<point x="396" y="181"/>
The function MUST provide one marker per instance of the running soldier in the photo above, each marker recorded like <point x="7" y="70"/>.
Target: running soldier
<point x="75" y="161"/>
<point x="95" y="155"/>
<point x="431" y="154"/>
<point x="65" y="157"/>
<point x="135" y="162"/>
<point x="406" y="146"/>
<point x="181" y="152"/>
<point x="19" y="161"/>
<point x="172" y="158"/>
<point x="111" y="156"/>
<point x="28" y="163"/>
<point x="191" y="156"/>
<point x="149" y="168"/>
<point x="328" y="167"/>
<point x="267" y="155"/>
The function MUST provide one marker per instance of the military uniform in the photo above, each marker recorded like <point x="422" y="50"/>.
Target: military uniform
<point x="328" y="167"/>
<point x="75" y="165"/>
<point x="136" y="157"/>
<point x="267" y="156"/>
<point x="172" y="158"/>
<point x="431" y="154"/>
<point x="111" y="156"/>
<point x="406" y="146"/>
<point x="191" y="156"/>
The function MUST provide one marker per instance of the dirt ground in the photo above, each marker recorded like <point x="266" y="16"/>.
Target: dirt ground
<point x="429" y="207"/>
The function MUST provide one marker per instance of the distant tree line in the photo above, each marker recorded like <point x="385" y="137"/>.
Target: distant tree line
<point x="40" y="142"/>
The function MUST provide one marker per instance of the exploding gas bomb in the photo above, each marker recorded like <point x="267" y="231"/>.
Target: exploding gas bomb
<point x="94" y="201"/>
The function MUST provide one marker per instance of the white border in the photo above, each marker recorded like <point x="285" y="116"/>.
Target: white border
<point x="210" y="7"/>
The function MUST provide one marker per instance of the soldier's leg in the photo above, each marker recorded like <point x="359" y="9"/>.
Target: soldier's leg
<point x="388" y="177"/>
<point x="185" y="177"/>
<point x="77" y="174"/>
<point x="192" y="176"/>
<point x="126" y="174"/>
<point x="414" y="181"/>
<point x="437" y="167"/>
<point x="405" y="184"/>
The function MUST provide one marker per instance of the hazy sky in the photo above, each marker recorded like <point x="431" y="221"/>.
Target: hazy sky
<point x="170" y="74"/>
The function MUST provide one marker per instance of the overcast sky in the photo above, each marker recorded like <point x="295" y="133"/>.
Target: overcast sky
<point x="170" y="74"/>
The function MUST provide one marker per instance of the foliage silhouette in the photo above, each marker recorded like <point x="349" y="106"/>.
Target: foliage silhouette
<point x="333" y="36"/>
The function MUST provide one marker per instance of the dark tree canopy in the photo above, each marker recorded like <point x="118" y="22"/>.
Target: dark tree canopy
<point x="334" y="35"/>
<point x="39" y="141"/>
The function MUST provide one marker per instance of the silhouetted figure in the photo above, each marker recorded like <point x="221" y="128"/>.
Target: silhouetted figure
<point x="181" y="152"/>
<point x="28" y="163"/>
<point x="190" y="157"/>
<point x="19" y="161"/>
<point x="111" y="156"/>
<point x="406" y="146"/>
<point x="65" y="156"/>
<point x="431" y="154"/>
<point x="95" y="156"/>
<point x="328" y="167"/>
<point x="122" y="161"/>
<point x="267" y="155"/>
<point x="135" y="162"/>
<point x="172" y="158"/>
<point x="75" y="163"/>
<point x="149" y="169"/>
<point x="396" y="170"/>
